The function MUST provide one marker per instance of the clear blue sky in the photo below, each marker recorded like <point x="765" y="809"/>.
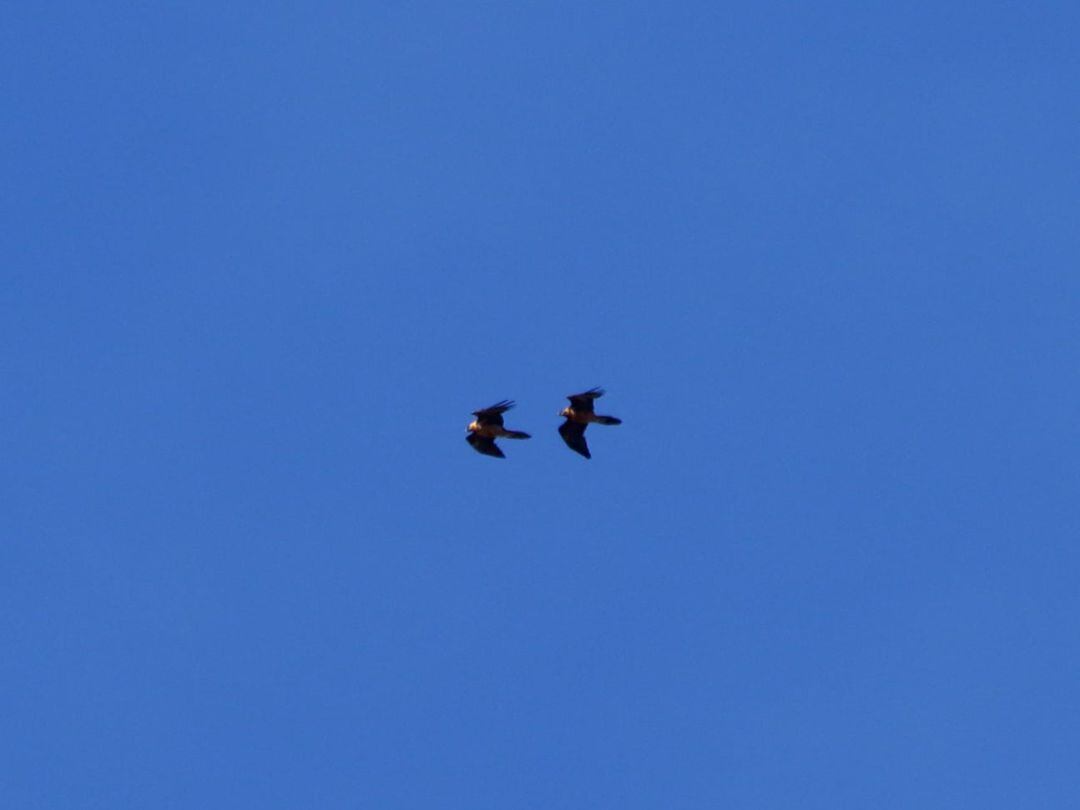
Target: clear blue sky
<point x="260" y="261"/>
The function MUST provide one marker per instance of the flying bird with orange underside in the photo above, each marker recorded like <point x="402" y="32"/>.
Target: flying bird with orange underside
<point x="578" y="416"/>
<point x="488" y="426"/>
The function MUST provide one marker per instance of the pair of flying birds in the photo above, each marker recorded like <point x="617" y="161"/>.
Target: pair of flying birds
<point x="488" y="425"/>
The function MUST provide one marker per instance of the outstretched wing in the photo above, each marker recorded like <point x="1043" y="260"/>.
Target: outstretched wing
<point x="583" y="402"/>
<point x="573" y="433"/>
<point x="484" y="445"/>
<point x="492" y="414"/>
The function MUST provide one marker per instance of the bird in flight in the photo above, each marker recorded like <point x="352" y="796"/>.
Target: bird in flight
<point x="578" y="416"/>
<point x="488" y="426"/>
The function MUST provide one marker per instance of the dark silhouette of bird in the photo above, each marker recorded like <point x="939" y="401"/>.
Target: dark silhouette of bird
<point x="578" y="416"/>
<point x="488" y="426"/>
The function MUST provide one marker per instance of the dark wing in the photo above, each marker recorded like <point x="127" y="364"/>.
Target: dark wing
<point x="483" y="445"/>
<point x="492" y="414"/>
<point x="573" y="433"/>
<point x="583" y="402"/>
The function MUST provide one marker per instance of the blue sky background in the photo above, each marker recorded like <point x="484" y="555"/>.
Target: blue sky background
<point x="260" y="261"/>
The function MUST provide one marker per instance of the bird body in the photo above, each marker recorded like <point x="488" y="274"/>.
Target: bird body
<point x="495" y="431"/>
<point x="586" y="418"/>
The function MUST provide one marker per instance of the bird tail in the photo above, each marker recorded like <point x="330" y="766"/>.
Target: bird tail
<point x="608" y="420"/>
<point x="516" y="434"/>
